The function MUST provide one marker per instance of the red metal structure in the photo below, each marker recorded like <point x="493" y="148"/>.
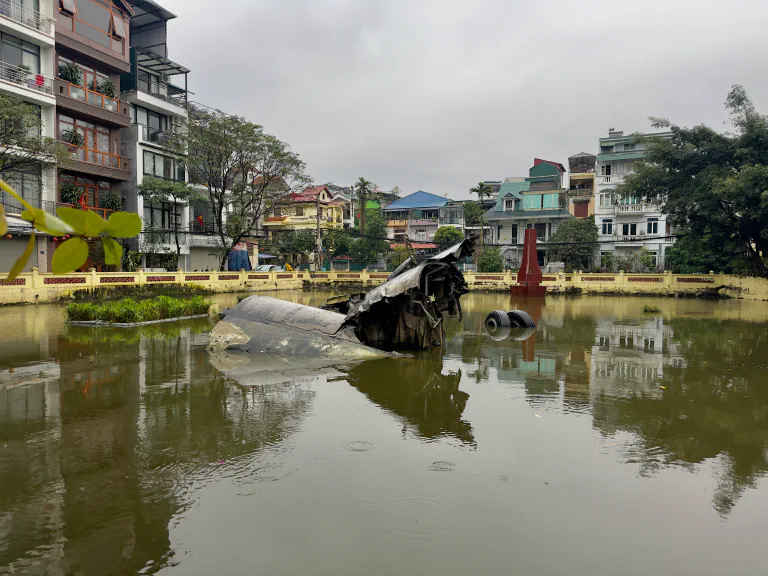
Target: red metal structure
<point x="529" y="275"/>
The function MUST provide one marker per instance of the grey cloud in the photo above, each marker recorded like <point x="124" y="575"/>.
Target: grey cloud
<point x="437" y="95"/>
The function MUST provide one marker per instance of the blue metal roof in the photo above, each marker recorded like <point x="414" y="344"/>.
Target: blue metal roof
<point x="418" y="199"/>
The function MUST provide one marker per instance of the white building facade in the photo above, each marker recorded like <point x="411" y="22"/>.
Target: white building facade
<point x="626" y="224"/>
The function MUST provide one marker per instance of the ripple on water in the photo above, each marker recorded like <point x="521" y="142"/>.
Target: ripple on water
<point x="360" y="446"/>
<point x="416" y="517"/>
<point x="442" y="466"/>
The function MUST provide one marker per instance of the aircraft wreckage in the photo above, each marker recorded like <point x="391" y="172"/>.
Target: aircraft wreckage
<point x="404" y="313"/>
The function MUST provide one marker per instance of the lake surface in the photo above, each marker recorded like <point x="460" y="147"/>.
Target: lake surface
<point x="610" y="442"/>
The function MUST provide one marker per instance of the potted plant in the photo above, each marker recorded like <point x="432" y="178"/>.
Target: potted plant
<point x="70" y="193"/>
<point x="71" y="72"/>
<point x="108" y="89"/>
<point x="113" y="201"/>
<point x="73" y="137"/>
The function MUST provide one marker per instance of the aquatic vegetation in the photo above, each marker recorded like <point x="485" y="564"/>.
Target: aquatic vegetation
<point x="129" y="310"/>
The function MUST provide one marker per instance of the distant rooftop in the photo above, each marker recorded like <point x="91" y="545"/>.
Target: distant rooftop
<point x="582" y="162"/>
<point x="418" y="199"/>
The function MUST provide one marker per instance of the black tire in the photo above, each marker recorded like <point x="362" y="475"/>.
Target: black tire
<point x="497" y="325"/>
<point x="520" y="319"/>
<point x="520" y="334"/>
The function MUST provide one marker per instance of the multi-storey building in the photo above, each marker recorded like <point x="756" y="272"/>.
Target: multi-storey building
<point x="417" y="215"/>
<point x="626" y="223"/>
<point x="538" y="202"/>
<point x="300" y="212"/>
<point x="155" y="89"/>
<point x="27" y="55"/>
<point x="581" y="185"/>
<point x="92" y="51"/>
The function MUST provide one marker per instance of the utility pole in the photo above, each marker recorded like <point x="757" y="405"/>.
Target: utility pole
<point x="318" y="239"/>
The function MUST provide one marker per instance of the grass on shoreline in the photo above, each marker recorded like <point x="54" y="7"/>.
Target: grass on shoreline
<point x="129" y="310"/>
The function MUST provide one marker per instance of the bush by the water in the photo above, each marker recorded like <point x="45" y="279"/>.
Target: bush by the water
<point x="651" y="309"/>
<point x="129" y="310"/>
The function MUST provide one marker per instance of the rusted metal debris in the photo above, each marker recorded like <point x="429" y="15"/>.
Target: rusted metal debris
<point x="406" y="312"/>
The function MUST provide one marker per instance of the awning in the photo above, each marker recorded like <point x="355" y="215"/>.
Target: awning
<point x="154" y="62"/>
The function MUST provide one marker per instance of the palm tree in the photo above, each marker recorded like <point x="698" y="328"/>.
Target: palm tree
<point x="364" y="188"/>
<point x="483" y="191"/>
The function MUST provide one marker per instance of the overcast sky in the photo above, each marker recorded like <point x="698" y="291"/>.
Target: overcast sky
<point x="437" y="95"/>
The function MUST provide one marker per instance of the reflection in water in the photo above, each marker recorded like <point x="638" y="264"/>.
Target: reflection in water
<point x="99" y="456"/>
<point x="112" y="440"/>
<point x="417" y="390"/>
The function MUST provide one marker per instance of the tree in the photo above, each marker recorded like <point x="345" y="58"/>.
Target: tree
<point x="490" y="261"/>
<point x="245" y="171"/>
<point x="336" y="242"/>
<point x="398" y="256"/>
<point x="370" y="246"/>
<point x="473" y="213"/>
<point x="22" y="147"/>
<point x="158" y="191"/>
<point x="364" y="189"/>
<point x="579" y="237"/>
<point x="713" y="183"/>
<point x="448" y="235"/>
<point x="702" y="253"/>
<point x="483" y="191"/>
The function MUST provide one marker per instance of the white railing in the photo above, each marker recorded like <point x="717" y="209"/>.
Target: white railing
<point x="24" y="15"/>
<point x="634" y="208"/>
<point x="612" y="179"/>
<point x="25" y="78"/>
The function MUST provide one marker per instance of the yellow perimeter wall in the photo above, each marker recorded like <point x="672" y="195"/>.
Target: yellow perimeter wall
<point x="33" y="287"/>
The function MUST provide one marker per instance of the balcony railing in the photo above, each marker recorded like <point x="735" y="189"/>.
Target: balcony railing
<point x="580" y="192"/>
<point x="98" y="157"/>
<point x="633" y="208"/>
<point x="91" y="97"/>
<point x="103" y="212"/>
<point x="24" y="15"/>
<point x="13" y="206"/>
<point x="26" y="79"/>
<point x="612" y="179"/>
<point x="164" y="91"/>
<point x="154" y="135"/>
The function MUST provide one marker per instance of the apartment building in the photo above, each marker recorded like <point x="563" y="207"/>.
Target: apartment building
<point x="581" y="185"/>
<point x="27" y="55"/>
<point x="539" y="201"/>
<point x="155" y="90"/>
<point x="417" y="215"/>
<point x="626" y="223"/>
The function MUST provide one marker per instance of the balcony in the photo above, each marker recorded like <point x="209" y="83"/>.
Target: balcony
<point x="25" y="79"/>
<point x="581" y="193"/>
<point x="634" y="208"/>
<point x="397" y="223"/>
<point x="91" y="103"/>
<point x="612" y="179"/>
<point x="26" y="16"/>
<point x="154" y="135"/>
<point x="97" y="163"/>
<point x="424" y="222"/>
<point x="146" y="82"/>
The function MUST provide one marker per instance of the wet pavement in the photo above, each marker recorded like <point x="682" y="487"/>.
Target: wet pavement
<point x="611" y="441"/>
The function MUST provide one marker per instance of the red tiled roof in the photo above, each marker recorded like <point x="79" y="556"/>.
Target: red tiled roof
<point x="314" y="190"/>
<point x="537" y="161"/>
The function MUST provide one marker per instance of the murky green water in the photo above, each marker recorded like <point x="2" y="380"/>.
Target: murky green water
<point x="612" y="442"/>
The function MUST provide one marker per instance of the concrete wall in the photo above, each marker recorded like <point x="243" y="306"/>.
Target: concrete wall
<point x="34" y="287"/>
<point x="201" y="259"/>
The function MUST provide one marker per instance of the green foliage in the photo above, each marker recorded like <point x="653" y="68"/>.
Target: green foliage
<point x="72" y="136"/>
<point x="576" y="256"/>
<point x="608" y="261"/>
<point x="336" y="242"/>
<point x="651" y="309"/>
<point x="296" y="242"/>
<point x="636" y="261"/>
<point x="490" y="261"/>
<point x="369" y="247"/>
<point x="448" y="235"/>
<point x="398" y="256"/>
<point x="22" y="145"/>
<point x="472" y="213"/>
<point x="129" y="310"/>
<point x="158" y="191"/>
<point x="70" y="193"/>
<point x="108" y="88"/>
<point x="81" y="226"/>
<point x="483" y="191"/>
<point x="113" y="201"/>
<point x="701" y="253"/>
<point x="131" y="260"/>
<point x="364" y="189"/>
<point x="71" y="72"/>
<point x="711" y="181"/>
<point x="223" y="152"/>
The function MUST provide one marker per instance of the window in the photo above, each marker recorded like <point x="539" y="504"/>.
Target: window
<point x="606" y="199"/>
<point x="165" y="216"/>
<point x="18" y="52"/>
<point x="514" y="233"/>
<point x="532" y="201"/>
<point x="629" y="146"/>
<point x="629" y="229"/>
<point x="551" y="200"/>
<point x="608" y="226"/>
<point x="653" y="226"/>
<point x="605" y="170"/>
<point x="27" y="183"/>
<point x="95" y="192"/>
<point x="509" y="204"/>
<point x="541" y="231"/>
<point x="68" y="6"/>
<point x="152" y="122"/>
<point x="118" y="26"/>
<point x="164" y="167"/>
<point x="300" y="211"/>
